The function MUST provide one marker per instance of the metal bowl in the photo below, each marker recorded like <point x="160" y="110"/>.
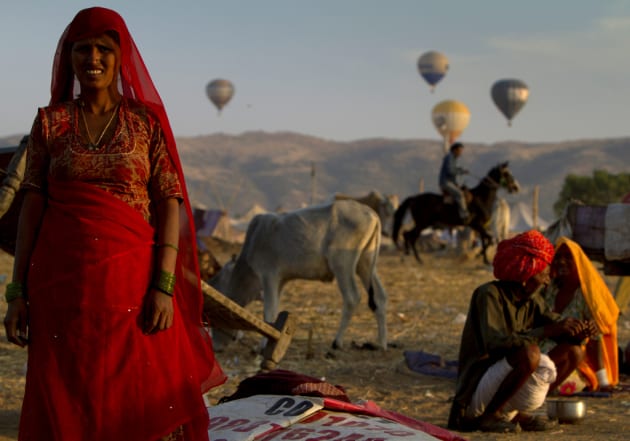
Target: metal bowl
<point x="566" y="411"/>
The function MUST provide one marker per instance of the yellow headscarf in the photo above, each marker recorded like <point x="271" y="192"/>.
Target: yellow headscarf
<point x="603" y="308"/>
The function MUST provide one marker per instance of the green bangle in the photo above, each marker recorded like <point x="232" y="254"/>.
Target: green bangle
<point x="167" y="245"/>
<point x="165" y="282"/>
<point x="14" y="290"/>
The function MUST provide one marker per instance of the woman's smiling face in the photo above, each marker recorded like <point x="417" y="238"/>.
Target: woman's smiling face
<point x="96" y="62"/>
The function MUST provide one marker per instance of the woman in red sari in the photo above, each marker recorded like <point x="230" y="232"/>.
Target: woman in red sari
<point x="105" y="287"/>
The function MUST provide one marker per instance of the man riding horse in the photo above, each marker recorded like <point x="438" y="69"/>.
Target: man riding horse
<point x="449" y="180"/>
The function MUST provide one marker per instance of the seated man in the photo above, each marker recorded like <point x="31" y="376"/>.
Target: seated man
<point x="502" y="372"/>
<point x="449" y="179"/>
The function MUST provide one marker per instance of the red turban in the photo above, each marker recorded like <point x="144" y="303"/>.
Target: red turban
<point x="523" y="256"/>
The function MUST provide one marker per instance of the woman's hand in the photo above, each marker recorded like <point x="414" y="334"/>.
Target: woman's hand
<point x="588" y="329"/>
<point x="158" y="312"/>
<point x="16" y="322"/>
<point x="591" y="328"/>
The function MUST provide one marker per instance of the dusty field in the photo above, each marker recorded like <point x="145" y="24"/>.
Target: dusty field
<point x="426" y="304"/>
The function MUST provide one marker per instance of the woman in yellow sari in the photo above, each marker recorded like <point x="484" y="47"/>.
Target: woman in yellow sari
<point x="579" y="291"/>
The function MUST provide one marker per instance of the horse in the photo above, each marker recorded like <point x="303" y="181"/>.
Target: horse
<point x="335" y="241"/>
<point x="430" y="210"/>
<point x="500" y="220"/>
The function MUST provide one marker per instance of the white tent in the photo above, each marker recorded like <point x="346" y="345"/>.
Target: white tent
<point x="242" y="222"/>
<point x="522" y="219"/>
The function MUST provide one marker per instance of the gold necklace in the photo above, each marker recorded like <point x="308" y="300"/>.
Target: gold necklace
<point x="93" y="146"/>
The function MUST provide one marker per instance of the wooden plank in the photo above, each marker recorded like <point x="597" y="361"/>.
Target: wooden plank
<point x="227" y="314"/>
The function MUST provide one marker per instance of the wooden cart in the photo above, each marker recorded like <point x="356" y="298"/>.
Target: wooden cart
<point x="224" y="313"/>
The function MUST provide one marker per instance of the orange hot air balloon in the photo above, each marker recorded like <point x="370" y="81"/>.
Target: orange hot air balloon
<point x="450" y="118"/>
<point x="220" y="92"/>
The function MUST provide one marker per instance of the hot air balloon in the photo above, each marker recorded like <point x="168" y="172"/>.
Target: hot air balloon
<point x="509" y="95"/>
<point x="432" y="66"/>
<point x="450" y="118"/>
<point x="220" y="92"/>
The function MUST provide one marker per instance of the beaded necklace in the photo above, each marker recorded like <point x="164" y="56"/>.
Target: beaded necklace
<point x="94" y="145"/>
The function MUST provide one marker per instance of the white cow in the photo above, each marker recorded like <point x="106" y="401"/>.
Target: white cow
<point x="384" y="205"/>
<point x="332" y="241"/>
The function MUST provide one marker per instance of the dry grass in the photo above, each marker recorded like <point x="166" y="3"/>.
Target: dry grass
<point x="424" y="305"/>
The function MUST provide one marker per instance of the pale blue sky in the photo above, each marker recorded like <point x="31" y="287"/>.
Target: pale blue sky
<point x="346" y="69"/>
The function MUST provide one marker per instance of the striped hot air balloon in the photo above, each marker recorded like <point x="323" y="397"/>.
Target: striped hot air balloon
<point x="432" y="66"/>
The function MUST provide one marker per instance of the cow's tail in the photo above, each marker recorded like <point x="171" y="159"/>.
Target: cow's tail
<point x="375" y="245"/>
<point x="399" y="215"/>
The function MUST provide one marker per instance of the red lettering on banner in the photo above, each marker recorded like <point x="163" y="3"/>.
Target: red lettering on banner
<point x="254" y="425"/>
<point x="297" y="433"/>
<point x="271" y="433"/>
<point x="355" y="424"/>
<point x="351" y="437"/>
<point x="315" y="417"/>
<point x="218" y="420"/>
<point x="231" y="424"/>
<point x="325" y="435"/>
<point x="335" y="420"/>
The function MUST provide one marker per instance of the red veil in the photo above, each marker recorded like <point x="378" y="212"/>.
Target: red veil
<point x="135" y="83"/>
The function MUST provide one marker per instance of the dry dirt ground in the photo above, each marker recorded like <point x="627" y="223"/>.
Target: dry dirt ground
<point x="426" y="304"/>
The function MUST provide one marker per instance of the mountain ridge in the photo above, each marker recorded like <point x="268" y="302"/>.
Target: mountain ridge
<point x="274" y="169"/>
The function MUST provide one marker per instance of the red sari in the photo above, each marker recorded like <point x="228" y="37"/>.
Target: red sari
<point x="92" y="374"/>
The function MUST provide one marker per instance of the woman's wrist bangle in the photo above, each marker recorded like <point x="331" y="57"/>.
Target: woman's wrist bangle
<point x="167" y="245"/>
<point x="14" y="290"/>
<point x="165" y="282"/>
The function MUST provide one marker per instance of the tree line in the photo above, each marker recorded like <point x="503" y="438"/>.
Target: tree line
<point x="602" y="188"/>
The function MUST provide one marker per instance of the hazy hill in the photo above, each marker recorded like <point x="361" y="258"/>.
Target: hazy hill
<point x="274" y="169"/>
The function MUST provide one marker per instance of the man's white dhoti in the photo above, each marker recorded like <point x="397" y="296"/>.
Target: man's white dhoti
<point x="529" y="397"/>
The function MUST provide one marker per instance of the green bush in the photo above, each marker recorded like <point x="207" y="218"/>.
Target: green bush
<point x="602" y="188"/>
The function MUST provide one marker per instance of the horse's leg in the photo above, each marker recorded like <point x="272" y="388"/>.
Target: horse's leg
<point x="377" y="294"/>
<point x="406" y="242"/>
<point x="344" y="271"/>
<point x="486" y="240"/>
<point x="412" y="237"/>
